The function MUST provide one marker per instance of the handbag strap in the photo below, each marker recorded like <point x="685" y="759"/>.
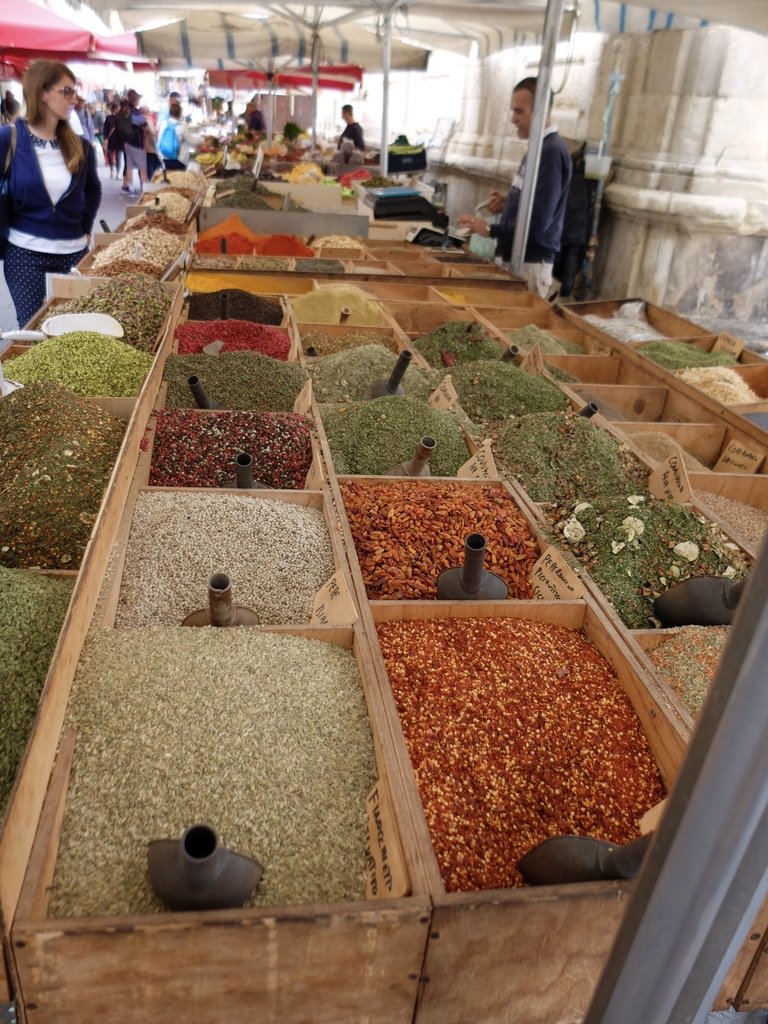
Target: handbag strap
<point x="10" y="150"/>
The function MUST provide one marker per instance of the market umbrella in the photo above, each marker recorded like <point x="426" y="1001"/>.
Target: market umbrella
<point x="27" y="28"/>
<point x="341" y="77"/>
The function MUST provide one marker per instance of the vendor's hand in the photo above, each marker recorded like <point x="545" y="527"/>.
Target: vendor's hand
<point x="475" y="224"/>
<point x="495" y="202"/>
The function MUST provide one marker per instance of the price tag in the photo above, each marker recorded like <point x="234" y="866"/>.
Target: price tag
<point x="314" y="480"/>
<point x="445" y="395"/>
<point x="670" y="481"/>
<point x="738" y="457"/>
<point x="332" y="605"/>
<point x="386" y="875"/>
<point x="481" y="466"/>
<point x="533" y="362"/>
<point x="553" y="579"/>
<point x="728" y="343"/>
<point x="303" y="402"/>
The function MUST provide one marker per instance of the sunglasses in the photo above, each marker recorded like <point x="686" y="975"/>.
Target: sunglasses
<point x="66" y="91"/>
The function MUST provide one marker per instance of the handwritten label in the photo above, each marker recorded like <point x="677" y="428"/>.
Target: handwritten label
<point x="553" y="579"/>
<point x="314" y="480"/>
<point x="303" y="402"/>
<point x="598" y="348"/>
<point x="332" y="605"/>
<point x="533" y="362"/>
<point x="386" y="876"/>
<point x="481" y="466"/>
<point x="670" y="481"/>
<point x="738" y="457"/>
<point x="728" y="343"/>
<point x="445" y="395"/>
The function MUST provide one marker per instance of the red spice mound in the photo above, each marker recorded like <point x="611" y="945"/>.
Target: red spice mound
<point x="517" y="731"/>
<point x="237" y="335"/>
<point x="235" y="245"/>
<point x="281" y="245"/>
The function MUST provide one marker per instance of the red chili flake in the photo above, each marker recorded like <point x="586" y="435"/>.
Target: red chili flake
<point x="194" y="449"/>
<point x="448" y="358"/>
<point x="237" y="335"/>
<point x="517" y="731"/>
<point x="236" y="245"/>
<point x="281" y="245"/>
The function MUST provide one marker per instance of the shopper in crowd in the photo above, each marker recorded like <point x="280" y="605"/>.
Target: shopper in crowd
<point x="113" y="141"/>
<point x="97" y="114"/>
<point x="86" y="121"/>
<point x="549" y="199"/>
<point x="174" y="139"/>
<point x="254" y="118"/>
<point x="154" y="160"/>
<point x="131" y="124"/>
<point x="9" y="107"/>
<point x="353" y="132"/>
<point x="53" y="185"/>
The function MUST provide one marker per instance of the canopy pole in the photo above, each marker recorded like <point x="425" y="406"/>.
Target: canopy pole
<point x="540" y="111"/>
<point x="315" y="84"/>
<point x="386" y="60"/>
<point x="706" y="872"/>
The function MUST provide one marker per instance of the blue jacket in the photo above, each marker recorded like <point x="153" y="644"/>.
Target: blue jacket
<point x="31" y="210"/>
<point x="549" y="202"/>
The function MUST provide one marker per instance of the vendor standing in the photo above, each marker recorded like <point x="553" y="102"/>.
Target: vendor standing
<point x="353" y="132"/>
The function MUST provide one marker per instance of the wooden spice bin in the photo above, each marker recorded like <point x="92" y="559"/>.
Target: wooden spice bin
<point x="389" y="337"/>
<point x="669" y="324"/>
<point x="415" y="318"/>
<point x="708" y="442"/>
<point x="265" y="285"/>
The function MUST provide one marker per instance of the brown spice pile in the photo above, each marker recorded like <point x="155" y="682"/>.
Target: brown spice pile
<point x="688" y="659"/>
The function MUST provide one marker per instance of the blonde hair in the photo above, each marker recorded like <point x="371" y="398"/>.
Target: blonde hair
<point x="40" y="76"/>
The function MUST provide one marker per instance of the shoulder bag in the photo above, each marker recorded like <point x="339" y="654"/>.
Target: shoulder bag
<point x="7" y="149"/>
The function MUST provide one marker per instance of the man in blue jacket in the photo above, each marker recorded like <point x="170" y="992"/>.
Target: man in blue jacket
<point x="549" y="199"/>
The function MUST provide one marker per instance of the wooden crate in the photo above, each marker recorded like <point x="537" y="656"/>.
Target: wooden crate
<point x="258" y="283"/>
<point x="506" y="320"/>
<point x="708" y="342"/>
<point x="390" y="336"/>
<point x="671" y="325"/>
<point x="416" y="318"/>
<point x="707" y="442"/>
<point x="399" y="290"/>
<point x="486" y="293"/>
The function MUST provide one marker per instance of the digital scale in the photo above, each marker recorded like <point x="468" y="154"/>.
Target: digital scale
<point x="434" y="238"/>
<point x="399" y="203"/>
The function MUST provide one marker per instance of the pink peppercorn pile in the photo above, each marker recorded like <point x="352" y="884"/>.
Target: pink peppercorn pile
<point x="237" y="335"/>
<point x="196" y="449"/>
<point x="517" y="731"/>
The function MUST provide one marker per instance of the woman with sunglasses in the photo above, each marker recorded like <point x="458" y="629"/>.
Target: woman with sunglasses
<point x="53" y="189"/>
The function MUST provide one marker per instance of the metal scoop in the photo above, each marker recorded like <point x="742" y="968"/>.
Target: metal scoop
<point x="221" y="610"/>
<point x="699" y="601"/>
<point x="564" y="859"/>
<point x="419" y="464"/>
<point x="471" y="582"/>
<point x="392" y="386"/>
<point x="65" y="323"/>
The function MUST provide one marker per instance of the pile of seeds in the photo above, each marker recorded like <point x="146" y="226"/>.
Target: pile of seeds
<point x="636" y="547"/>
<point x="493" y="390"/>
<point x="191" y="179"/>
<point x="625" y="328"/>
<point x="86" y="363"/>
<point x="242" y="306"/>
<point x="150" y="245"/>
<point x="119" y="267"/>
<point x="324" y="305"/>
<point x="57" y="452"/>
<point x="746" y="520"/>
<point x="499" y="718"/>
<point x="156" y="220"/>
<point x="406" y="533"/>
<point x="373" y="437"/>
<point x="277" y="555"/>
<point x="720" y="382"/>
<point x="658" y="445"/>
<point x="339" y="242"/>
<point x="320" y="266"/>
<point x="261" y="736"/>
<point x="199" y="449"/>
<point x="238" y="380"/>
<point x="688" y="659"/>
<point x="457" y="342"/>
<point x="238" y="335"/>
<point x="325" y="344"/>
<point x="32" y="609"/>
<point x="344" y="376"/>
<point x="247" y="197"/>
<point x="200" y="262"/>
<point x="266" y="263"/>
<point x="561" y="457"/>
<point x="526" y="337"/>
<point x="138" y="302"/>
<point x="171" y="203"/>
<point x="677" y="355"/>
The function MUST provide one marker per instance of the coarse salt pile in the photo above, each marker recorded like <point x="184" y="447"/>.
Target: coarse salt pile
<point x="720" y="382"/>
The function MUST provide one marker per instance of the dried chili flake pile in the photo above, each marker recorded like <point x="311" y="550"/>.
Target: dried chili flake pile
<point x="406" y="533"/>
<point x="57" y="452"/>
<point x="517" y="731"/>
<point x="237" y="336"/>
<point x="194" y="449"/>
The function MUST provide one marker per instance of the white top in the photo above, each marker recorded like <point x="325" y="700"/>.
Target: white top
<point x="57" y="179"/>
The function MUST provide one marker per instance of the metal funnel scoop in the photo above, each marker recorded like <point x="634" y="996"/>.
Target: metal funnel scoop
<point x="471" y="582"/>
<point x="221" y="610"/>
<point x="393" y="385"/>
<point x="243" y="477"/>
<point x="419" y="464"/>
<point x="199" y="394"/>
<point x="565" y="859"/>
<point x="699" y="601"/>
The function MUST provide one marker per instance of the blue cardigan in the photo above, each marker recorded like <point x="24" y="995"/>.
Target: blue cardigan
<point x="31" y="210"/>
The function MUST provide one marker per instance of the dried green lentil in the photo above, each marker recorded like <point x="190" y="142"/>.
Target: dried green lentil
<point x="635" y="548"/>
<point x="32" y="609"/>
<point x="526" y="337"/>
<point x="139" y="302"/>
<point x="688" y="659"/>
<point x="323" y="305"/>
<point x="372" y="437"/>
<point x="319" y="266"/>
<point x="276" y="553"/>
<point x="678" y="355"/>
<point x="239" y="380"/>
<point x="262" y="736"/>
<point x="242" y="306"/>
<point x="266" y="263"/>
<point x="746" y="520"/>
<point x="325" y="344"/>
<point x="57" y="452"/>
<point x="86" y="363"/>
<point x="493" y="390"/>
<point x="560" y="456"/>
<point x="344" y="376"/>
<point x="457" y="341"/>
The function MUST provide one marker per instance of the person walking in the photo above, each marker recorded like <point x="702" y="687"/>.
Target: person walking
<point x="113" y="141"/>
<point x="53" y="187"/>
<point x="154" y="160"/>
<point x="549" y="200"/>
<point x="131" y="124"/>
<point x="86" y="120"/>
<point x="175" y="140"/>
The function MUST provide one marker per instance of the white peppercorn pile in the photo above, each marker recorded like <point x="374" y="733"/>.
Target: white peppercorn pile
<point x="262" y="736"/>
<point x="277" y="555"/>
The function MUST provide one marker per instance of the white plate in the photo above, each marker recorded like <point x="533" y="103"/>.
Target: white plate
<point x="63" y="323"/>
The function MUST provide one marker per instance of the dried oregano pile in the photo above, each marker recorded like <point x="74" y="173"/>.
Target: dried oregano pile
<point x="559" y="456"/>
<point x="85" y="362"/>
<point x="323" y="343"/>
<point x="458" y="341"/>
<point x="344" y="376"/>
<point x="526" y="337"/>
<point x="277" y="555"/>
<point x="636" y="547"/>
<point x="139" y="302"/>
<point x="32" y="609"/>
<point x="493" y="390"/>
<point x="688" y="659"/>
<point x="57" y="452"/>
<point x="677" y="355"/>
<point x="372" y="437"/>
<point x="238" y="380"/>
<point x="261" y="736"/>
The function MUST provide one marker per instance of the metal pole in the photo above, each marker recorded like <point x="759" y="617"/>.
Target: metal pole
<point x="540" y="112"/>
<point x="315" y="86"/>
<point x="386" y="60"/>
<point x="706" y="873"/>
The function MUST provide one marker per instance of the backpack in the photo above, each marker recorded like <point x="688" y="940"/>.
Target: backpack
<point x="168" y="143"/>
<point x="127" y="130"/>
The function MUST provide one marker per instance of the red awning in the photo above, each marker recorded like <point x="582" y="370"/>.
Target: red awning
<point x="31" y="30"/>
<point x="331" y="76"/>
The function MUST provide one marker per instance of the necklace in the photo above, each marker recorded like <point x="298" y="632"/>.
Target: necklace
<point x="39" y="143"/>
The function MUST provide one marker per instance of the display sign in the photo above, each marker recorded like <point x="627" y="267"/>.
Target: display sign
<point x="728" y="343"/>
<point x="386" y="875"/>
<point x="481" y="466"/>
<point x="445" y="395"/>
<point x="533" y="362"/>
<point x="670" y="481"/>
<point x="314" y="481"/>
<point x="303" y="402"/>
<point x="553" y="579"/>
<point x="333" y="605"/>
<point x="738" y="457"/>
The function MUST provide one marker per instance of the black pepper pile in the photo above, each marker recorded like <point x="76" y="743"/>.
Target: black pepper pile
<point x="238" y="380"/>
<point x="242" y="306"/>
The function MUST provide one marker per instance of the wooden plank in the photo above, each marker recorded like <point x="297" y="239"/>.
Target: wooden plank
<point x="702" y="440"/>
<point x="623" y="402"/>
<point x="751" y="488"/>
<point x="588" y="369"/>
